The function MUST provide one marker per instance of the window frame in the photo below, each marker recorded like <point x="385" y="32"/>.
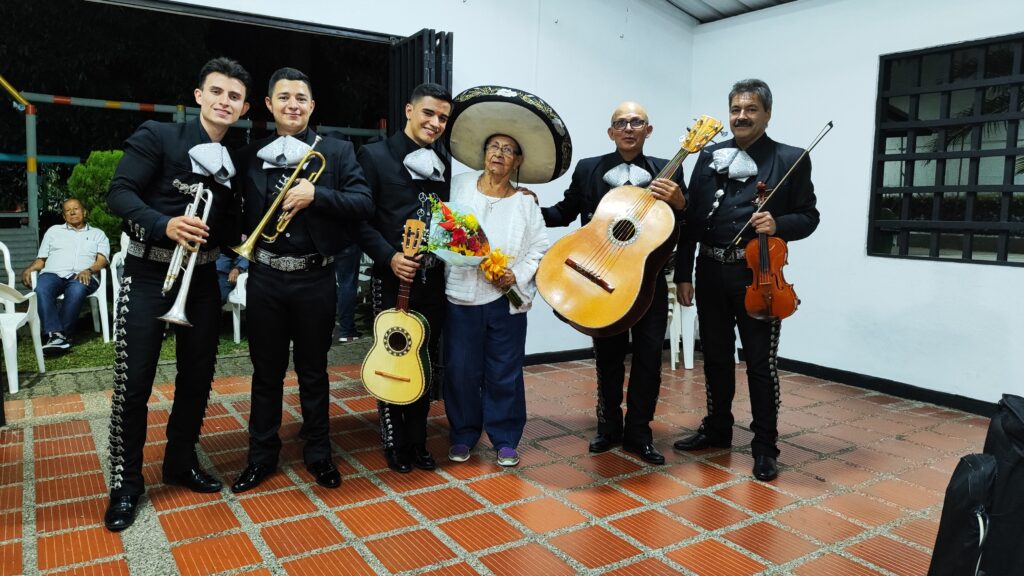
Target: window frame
<point x="891" y="238"/>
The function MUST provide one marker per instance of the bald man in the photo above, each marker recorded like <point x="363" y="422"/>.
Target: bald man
<point x="592" y="179"/>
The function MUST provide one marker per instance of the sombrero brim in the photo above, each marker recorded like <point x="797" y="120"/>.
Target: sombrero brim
<point x="483" y="111"/>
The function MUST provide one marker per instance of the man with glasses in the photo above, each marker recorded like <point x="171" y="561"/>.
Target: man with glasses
<point x="591" y="180"/>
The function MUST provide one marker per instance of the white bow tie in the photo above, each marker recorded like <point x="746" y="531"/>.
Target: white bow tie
<point x="212" y="159"/>
<point x="736" y="162"/>
<point x="625" y="172"/>
<point x="423" y="164"/>
<point x="284" y="152"/>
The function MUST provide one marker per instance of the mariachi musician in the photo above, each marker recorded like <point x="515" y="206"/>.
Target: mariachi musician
<point x="592" y="179"/>
<point x="722" y="202"/>
<point x="150" y="191"/>
<point x="403" y="171"/>
<point x="291" y="296"/>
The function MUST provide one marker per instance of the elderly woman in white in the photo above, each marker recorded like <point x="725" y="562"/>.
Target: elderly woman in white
<point x="485" y="333"/>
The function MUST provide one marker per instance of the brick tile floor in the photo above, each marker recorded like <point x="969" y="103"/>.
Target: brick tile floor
<point x="860" y="491"/>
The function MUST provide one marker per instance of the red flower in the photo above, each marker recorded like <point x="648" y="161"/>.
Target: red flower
<point x="473" y="244"/>
<point x="447" y="224"/>
<point x="459" y="237"/>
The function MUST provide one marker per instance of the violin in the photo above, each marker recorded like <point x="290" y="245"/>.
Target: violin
<point x="769" y="296"/>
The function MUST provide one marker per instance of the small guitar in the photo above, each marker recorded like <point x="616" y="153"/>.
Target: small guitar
<point x="397" y="368"/>
<point x="600" y="278"/>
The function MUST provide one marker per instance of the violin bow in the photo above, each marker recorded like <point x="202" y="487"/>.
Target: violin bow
<point x="824" y="131"/>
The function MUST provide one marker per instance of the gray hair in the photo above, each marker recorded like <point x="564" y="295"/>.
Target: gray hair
<point x="753" y="86"/>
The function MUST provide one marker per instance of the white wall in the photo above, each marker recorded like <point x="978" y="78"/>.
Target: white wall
<point x="582" y="56"/>
<point x="944" y="326"/>
<point x="949" y="327"/>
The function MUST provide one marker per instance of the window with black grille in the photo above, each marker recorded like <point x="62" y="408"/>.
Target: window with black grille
<point x="948" y="174"/>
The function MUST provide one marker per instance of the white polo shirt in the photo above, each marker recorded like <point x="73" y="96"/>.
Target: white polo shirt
<point x="68" y="251"/>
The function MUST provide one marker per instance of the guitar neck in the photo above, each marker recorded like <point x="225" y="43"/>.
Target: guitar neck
<point x="403" y="296"/>
<point x="673" y="164"/>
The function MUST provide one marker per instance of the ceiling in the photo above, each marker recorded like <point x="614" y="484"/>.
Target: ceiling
<point x="710" y="10"/>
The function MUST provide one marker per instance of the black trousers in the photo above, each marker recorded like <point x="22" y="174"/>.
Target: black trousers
<point x="645" y="340"/>
<point x="405" y="425"/>
<point x="289" y="307"/>
<point x="720" y="309"/>
<point x="138" y="336"/>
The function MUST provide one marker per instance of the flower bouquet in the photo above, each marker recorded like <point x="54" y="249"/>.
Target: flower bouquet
<point x="458" y="239"/>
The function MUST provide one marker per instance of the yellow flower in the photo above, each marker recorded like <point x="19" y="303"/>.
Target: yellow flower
<point x="471" y="222"/>
<point x="494" y="265"/>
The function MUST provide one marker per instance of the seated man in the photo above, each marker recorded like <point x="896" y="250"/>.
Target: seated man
<point x="71" y="257"/>
<point x="229" y="268"/>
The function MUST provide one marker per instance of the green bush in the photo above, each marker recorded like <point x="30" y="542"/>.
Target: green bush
<point x="89" y="183"/>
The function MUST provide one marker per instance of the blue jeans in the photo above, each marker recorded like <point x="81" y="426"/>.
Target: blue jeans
<point x="484" y="391"/>
<point x="49" y="287"/>
<point x="346" y="277"/>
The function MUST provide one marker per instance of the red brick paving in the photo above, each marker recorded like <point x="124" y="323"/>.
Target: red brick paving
<point x="863" y="476"/>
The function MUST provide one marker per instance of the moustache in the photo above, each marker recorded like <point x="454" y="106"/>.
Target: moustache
<point x="742" y="123"/>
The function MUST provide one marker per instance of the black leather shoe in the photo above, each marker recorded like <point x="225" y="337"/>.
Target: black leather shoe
<point x="603" y="443"/>
<point x="252" y="476"/>
<point x="194" y="479"/>
<point x="120" y="512"/>
<point x="647" y="452"/>
<point x="325" y="473"/>
<point x="700" y="441"/>
<point x="422" y="459"/>
<point x="396" y="460"/>
<point x="765" y="468"/>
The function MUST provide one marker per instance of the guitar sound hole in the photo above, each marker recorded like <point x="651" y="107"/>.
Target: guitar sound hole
<point x="397" y="341"/>
<point x="623" y="231"/>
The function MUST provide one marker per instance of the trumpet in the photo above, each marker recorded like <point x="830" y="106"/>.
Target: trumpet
<point x="176" y="315"/>
<point x="246" y="249"/>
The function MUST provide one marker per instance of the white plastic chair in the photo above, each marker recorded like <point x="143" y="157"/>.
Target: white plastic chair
<point x="236" y="303"/>
<point x="11" y="320"/>
<point x="116" y="264"/>
<point x="97" y="305"/>
<point x="683" y="328"/>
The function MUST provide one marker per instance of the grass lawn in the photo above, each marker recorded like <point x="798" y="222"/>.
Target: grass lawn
<point x="89" y="350"/>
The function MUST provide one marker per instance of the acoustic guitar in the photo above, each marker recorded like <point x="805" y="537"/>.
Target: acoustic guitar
<point x="600" y="278"/>
<point x="397" y="368"/>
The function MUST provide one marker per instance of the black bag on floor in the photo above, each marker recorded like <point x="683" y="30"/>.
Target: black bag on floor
<point x="1004" y="548"/>
<point x="965" y="517"/>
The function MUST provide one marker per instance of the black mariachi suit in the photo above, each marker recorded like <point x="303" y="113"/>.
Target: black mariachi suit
<point x="142" y="193"/>
<point x="721" y="286"/>
<point x="648" y="334"/>
<point x="397" y="198"/>
<point x="296" y="306"/>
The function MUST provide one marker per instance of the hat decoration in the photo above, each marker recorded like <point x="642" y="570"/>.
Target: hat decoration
<point x="484" y="111"/>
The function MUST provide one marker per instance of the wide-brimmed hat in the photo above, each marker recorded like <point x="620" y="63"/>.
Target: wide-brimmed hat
<point x="483" y="111"/>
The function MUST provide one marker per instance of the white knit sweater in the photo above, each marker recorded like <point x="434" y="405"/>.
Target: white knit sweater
<point x="515" y="225"/>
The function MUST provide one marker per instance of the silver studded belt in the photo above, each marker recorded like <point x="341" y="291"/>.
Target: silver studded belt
<point x="726" y="255"/>
<point x="291" y="263"/>
<point x="158" y="254"/>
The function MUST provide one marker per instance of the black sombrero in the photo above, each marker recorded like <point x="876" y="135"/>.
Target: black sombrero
<point x="483" y="111"/>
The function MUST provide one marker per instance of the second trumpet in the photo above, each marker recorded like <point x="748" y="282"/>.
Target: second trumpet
<point x="246" y="248"/>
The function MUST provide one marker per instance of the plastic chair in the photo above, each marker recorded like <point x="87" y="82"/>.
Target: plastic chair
<point x="236" y="303"/>
<point x="97" y="305"/>
<point x="116" y="265"/>
<point x="10" y="322"/>
<point x="683" y="328"/>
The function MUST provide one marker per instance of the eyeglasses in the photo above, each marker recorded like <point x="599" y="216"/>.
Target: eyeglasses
<point x="495" y="148"/>
<point x="634" y="123"/>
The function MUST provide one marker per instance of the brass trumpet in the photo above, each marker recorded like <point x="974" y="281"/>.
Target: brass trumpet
<point x="245" y="249"/>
